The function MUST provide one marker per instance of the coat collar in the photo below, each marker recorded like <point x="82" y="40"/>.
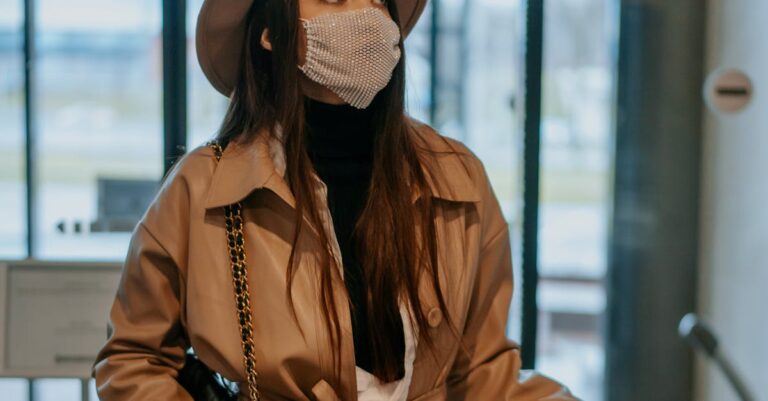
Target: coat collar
<point x="244" y="168"/>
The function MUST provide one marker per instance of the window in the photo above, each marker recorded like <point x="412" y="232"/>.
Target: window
<point x="57" y="389"/>
<point x="12" y="231"/>
<point x="578" y="81"/>
<point x="418" y="67"/>
<point x="14" y="389"/>
<point x="98" y="118"/>
<point x="477" y="72"/>
<point x="206" y="106"/>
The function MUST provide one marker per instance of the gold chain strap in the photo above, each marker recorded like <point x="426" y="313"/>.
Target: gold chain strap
<point x="236" y="244"/>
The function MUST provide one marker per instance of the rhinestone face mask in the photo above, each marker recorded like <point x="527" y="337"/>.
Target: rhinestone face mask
<point x="352" y="53"/>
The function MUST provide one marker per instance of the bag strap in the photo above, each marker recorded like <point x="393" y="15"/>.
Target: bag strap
<point x="236" y="245"/>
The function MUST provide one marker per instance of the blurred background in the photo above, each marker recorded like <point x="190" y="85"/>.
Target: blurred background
<point x="627" y="141"/>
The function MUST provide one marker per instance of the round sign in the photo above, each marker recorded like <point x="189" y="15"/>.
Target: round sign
<point x="728" y="91"/>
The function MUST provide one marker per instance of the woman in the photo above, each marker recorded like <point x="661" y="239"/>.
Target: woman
<point x="351" y="213"/>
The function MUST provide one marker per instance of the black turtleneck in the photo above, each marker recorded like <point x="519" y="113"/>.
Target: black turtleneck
<point x="340" y="145"/>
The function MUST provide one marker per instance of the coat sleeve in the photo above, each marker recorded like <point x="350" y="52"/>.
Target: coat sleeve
<point x="492" y="370"/>
<point x="146" y="343"/>
<point x="145" y="348"/>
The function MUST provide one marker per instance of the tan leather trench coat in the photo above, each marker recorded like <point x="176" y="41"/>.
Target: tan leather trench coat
<point x="176" y="288"/>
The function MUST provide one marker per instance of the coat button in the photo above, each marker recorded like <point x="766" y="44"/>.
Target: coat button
<point x="434" y="317"/>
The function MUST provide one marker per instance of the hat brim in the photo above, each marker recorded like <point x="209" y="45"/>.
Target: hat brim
<point x="221" y="30"/>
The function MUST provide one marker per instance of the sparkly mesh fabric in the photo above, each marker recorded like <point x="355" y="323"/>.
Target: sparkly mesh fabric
<point x="352" y="53"/>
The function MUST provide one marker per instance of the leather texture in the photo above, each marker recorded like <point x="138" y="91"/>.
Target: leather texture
<point x="176" y="288"/>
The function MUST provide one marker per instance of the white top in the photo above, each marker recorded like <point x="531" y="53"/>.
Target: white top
<point x="370" y="388"/>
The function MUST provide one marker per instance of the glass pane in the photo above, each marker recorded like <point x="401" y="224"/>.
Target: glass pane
<point x="14" y="389"/>
<point x="206" y="107"/>
<point x="12" y="202"/>
<point x="580" y="38"/>
<point x="57" y="390"/>
<point x="99" y="115"/>
<point x="418" y="69"/>
<point x="92" y="394"/>
<point x="478" y="77"/>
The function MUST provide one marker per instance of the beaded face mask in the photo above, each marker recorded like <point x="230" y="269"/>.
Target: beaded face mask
<point x="352" y="53"/>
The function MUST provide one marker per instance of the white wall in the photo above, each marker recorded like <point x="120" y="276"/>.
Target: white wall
<point x="734" y="220"/>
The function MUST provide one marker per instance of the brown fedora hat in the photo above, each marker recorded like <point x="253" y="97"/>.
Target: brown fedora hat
<point x="221" y="28"/>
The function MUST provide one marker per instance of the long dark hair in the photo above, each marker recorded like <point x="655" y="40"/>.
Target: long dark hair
<point x="268" y="94"/>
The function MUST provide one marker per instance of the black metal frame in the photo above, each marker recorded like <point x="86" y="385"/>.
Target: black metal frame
<point x="174" y="81"/>
<point x="434" y="48"/>
<point x="534" y="60"/>
<point x="29" y="126"/>
<point x="30" y="138"/>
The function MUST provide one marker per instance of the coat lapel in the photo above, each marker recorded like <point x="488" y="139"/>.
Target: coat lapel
<point x="261" y="164"/>
<point x="244" y="168"/>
